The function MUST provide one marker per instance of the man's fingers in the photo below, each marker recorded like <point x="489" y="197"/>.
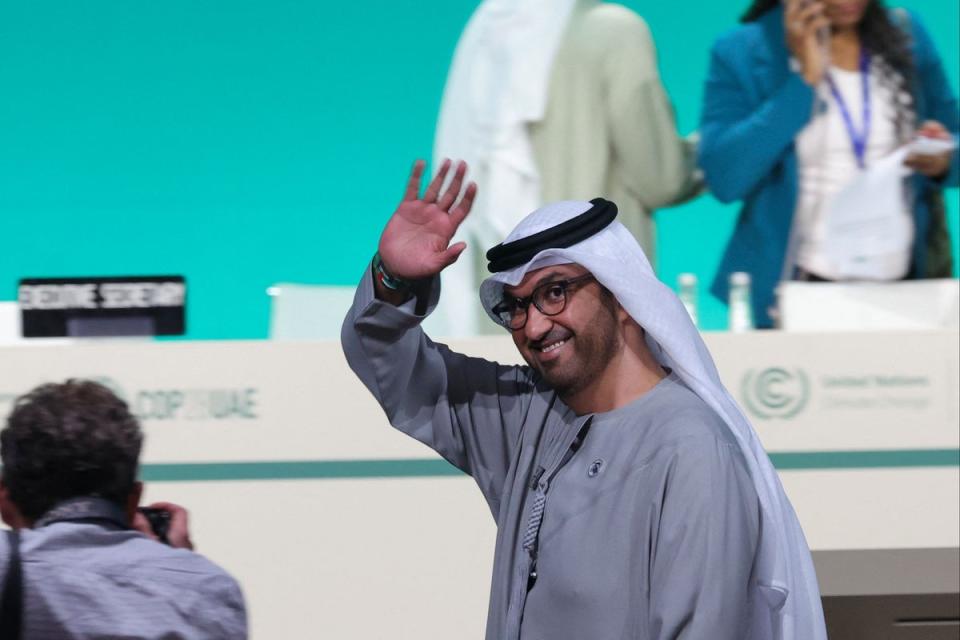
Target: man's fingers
<point x="453" y="252"/>
<point x="434" y="189"/>
<point x="464" y="206"/>
<point x="453" y="189"/>
<point x="179" y="532"/>
<point x="413" y="182"/>
<point x="179" y="517"/>
<point x="141" y="524"/>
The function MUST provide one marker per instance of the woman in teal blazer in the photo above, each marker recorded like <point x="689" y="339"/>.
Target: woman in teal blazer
<point x="759" y="96"/>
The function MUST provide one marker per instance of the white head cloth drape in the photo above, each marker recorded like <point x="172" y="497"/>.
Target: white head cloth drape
<point x="497" y="85"/>
<point x="784" y="573"/>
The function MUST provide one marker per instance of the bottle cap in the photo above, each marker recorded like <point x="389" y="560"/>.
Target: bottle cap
<point x="739" y="278"/>
<point x="687" y="279"/>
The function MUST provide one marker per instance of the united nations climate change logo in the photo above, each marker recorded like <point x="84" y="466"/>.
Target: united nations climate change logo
<point x="775" y="392"/>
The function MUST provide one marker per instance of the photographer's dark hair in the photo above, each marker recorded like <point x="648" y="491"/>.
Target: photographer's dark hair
<point x="68" y="440"/>
<point x="888" y="41"/>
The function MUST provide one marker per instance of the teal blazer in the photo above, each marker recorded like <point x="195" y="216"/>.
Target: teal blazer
<point x="754" y="106"/>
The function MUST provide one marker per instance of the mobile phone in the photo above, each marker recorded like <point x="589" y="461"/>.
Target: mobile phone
<point x="159" y="520"/>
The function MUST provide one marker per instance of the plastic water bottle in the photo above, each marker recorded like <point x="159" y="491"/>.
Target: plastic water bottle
<point x="687" y="288"/>
<point x="741" y="309"/>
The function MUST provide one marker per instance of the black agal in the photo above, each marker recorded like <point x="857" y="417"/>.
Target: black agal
<point x="508" y="255"/>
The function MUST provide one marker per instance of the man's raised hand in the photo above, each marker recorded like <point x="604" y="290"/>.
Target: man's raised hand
<point x="416" y="241"/>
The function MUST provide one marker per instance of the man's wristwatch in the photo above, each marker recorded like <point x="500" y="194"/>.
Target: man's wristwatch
<point x="388" y="280"/>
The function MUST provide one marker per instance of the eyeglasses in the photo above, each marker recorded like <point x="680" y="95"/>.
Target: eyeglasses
<point x="549" y="298"/>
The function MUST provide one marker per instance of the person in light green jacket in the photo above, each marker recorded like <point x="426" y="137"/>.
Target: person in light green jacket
<point x="551" y="100"/>
<point x="609" y="128"/>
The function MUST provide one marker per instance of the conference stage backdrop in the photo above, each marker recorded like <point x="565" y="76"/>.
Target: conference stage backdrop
<point x="248" y="142"/>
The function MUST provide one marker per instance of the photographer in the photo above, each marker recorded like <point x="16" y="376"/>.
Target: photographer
<point x="81" y="560"/>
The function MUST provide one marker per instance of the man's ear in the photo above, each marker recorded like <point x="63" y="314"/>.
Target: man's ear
<point x="9" y="512"/>
<point x="623" y="316"/>
<point x="133" y="500"/>
<point x="610" y="300"/>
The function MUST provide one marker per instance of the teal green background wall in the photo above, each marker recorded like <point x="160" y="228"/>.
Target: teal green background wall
<point x="249" y="142"/>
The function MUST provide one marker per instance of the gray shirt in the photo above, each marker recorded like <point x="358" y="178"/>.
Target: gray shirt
<point x="87" y="580"/>
<point x="647" y="532"/>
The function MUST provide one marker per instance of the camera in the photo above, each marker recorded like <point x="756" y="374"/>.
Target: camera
<point x="159" y="520"/>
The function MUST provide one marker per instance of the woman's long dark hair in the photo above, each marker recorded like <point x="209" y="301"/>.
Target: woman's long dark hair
<point x="881" y="37"/>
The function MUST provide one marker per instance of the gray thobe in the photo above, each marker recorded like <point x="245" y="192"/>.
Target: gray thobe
<point x="648" y="531"/>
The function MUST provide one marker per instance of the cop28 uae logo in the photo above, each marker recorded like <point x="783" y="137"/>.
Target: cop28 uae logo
<point x="775" y="392"/>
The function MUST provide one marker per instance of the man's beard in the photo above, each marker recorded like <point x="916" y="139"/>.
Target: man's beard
<point x="594" y="348"/>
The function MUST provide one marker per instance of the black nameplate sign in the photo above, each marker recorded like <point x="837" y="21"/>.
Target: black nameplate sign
<point x="92" y="307"/>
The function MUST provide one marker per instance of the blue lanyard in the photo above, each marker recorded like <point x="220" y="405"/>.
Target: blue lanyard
<point x="857" y="138"/>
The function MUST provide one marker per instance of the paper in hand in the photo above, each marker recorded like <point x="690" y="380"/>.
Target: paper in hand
<point x="866" y="218"/>
<point x="926" y="146"/>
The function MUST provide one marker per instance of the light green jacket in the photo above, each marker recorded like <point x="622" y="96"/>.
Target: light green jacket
<point x="609" y="128"/>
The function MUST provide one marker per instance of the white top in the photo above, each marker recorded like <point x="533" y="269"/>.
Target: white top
<point x="827" y="163"/>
